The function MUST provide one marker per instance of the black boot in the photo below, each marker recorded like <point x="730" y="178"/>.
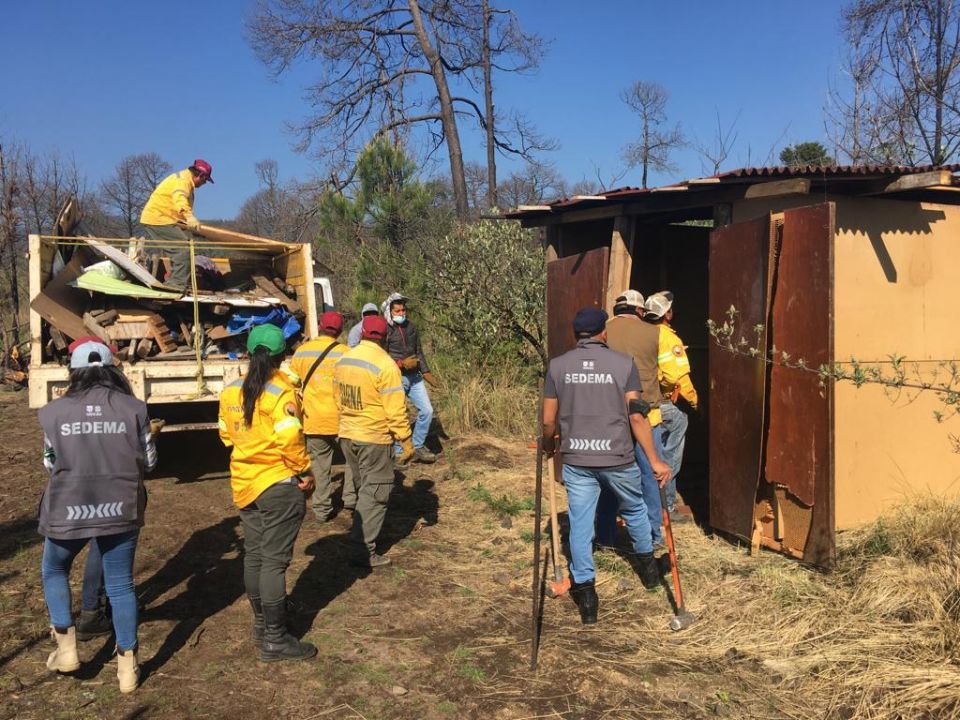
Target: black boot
<point x="649" y="570"/>
<point x="93" y="623"/>
<point x="258" y="624"/>
<point x="585" y="596"/>
<point x="278" y="644"/>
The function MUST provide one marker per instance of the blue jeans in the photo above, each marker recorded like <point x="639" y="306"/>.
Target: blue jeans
<point x="92" y="579"/>
<point x="583" y="490"/>
<point x="674" y="425"/>
<point x="117" y="551"/>
<point x="416" y="390"/>
<point x="607" y="505"/>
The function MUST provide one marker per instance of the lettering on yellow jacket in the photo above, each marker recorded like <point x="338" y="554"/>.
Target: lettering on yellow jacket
<point x="272" y="448"/>
<point x="320" y="413"/>
<point x="369" y="395"/>
<point x="673" y="367"/>
<point x="171" y="201"/>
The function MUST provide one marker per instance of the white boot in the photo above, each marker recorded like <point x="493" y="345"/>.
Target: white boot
<point x="64" y="659"/>
<point x="128" y="670"/>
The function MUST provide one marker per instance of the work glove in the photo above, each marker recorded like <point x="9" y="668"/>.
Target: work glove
<point x="192" y="224"/>
<point x="431" y="380"/>
<point x="406" y="451"/>
<point x="410" y="363"/>
<point x="549" y="446"/>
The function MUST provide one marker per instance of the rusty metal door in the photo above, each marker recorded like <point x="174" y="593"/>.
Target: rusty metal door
<point x="798" y="463"/>
<point x="572" y="283"/>
<point x="771" y="455"/>
<point x="738" y="259"/>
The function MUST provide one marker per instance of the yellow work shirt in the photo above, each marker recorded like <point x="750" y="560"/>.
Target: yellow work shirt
<point x="369" y="395"/>
<point x="320" y="414"/>
<point x="272" y="448"/>
<point x="673" y="366"/>
<point x="171" y="202"/>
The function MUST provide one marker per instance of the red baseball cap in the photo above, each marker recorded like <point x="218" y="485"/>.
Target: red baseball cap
<point x="332" y="321"/>
<point x="374" y="328"/>
<point x="204" y="168"/>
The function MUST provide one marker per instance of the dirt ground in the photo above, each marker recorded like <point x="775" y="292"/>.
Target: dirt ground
<point x="444" y="632"/>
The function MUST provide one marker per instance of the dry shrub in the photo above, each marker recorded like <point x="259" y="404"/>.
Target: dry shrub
<point x="488" y="400"/>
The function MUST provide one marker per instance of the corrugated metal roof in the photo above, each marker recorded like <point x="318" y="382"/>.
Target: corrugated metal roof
<point x="740" y="175"/>
<point x="834" y="170"/>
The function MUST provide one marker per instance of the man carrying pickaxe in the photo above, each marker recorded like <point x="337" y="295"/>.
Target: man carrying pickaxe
<point x="593" y="393"/>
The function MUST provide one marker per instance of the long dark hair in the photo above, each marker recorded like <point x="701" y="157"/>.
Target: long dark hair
<point x="108" y="376"/>
<point x="261" y="369"/>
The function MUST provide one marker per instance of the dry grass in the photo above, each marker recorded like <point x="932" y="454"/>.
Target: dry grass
<point x="487" y="400"/>
<point x="878" y="638"/>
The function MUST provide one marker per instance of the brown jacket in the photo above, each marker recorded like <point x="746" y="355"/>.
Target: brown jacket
<point x="641" y="341"/>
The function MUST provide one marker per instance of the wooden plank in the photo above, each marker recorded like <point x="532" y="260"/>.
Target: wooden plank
<point x="272" y="290"/>
<point x="187" y="334"/>
<point x="161" y="333"/>
<point x="229" y="236"/>
<point x="59" y="341"/>
<point x="91" y="324"/>
<point x="778" y="188"/>
<point x="128" y="330"/>
<point x="621" y="261"/>
<point x="919" y="180"/>
<point x="105" y="317"/>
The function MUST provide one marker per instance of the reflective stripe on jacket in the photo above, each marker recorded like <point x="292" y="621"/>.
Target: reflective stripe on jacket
<point x="272" y="448"/>
<point x="369" y="394"/>
<point x="171" y="202"/>
<point x="320" y="414"/>
<point x="674" y="366"/>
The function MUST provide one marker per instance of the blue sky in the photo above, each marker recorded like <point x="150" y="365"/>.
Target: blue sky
<point x="105" y="79"/>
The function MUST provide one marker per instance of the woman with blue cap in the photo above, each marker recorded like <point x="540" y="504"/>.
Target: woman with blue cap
<point x="97" y="445"/>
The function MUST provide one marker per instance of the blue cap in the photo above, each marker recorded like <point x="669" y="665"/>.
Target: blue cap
<point x="589" y="321"/>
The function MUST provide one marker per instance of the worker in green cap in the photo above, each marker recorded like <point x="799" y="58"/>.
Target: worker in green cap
<point x="271" y="479"/>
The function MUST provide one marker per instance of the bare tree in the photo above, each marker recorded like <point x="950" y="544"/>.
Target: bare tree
<point x="714" y="154"/>
<point x="905" y="101"/>
<point x="127" y="190"/>
<point x="391" y="66"/>
<point x="10" y="229"/>
<point x="652" y="149"/>
<point x="534" y="184"/>
<point x="505" y="47"/>
<point x="477" y="177"/>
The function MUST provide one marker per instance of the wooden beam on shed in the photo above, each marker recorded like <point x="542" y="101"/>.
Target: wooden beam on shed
<point x="621" y="260"/>
<point x="551" y="240"/>
<point x="906" y="183"/>
<point x="778" y="188"/>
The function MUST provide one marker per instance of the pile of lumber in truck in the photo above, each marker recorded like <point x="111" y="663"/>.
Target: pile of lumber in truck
<point x="115" y="290"/>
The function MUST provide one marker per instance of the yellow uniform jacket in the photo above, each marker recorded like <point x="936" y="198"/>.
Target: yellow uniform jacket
<point x="272" y="448"/>
<point x="370" y="397"/>
<point x="320" y="414"/>
<point x="673" y="367"/>
<point x="171" y="202"/>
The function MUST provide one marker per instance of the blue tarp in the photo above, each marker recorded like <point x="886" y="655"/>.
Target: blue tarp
<point x="242" y="320"/>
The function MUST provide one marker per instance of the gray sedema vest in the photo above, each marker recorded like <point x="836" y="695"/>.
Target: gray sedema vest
<point x="96" y="485"/>
<point x="589" y="383"/>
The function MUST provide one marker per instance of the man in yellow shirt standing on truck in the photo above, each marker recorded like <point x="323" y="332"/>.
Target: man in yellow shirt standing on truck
<point x="313" y="363"/>
<point x="673" y="372"/>
<point x="373" y="414"/>
<point x="171" y="204"/>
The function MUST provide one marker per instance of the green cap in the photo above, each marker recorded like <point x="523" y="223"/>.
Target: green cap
<point x="268" y="336"/>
